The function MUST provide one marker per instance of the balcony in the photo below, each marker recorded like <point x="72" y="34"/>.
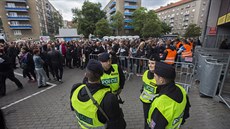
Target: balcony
<point x="130" y="7"/>
<point x="128" y="20"/>
<point x="18" y="1"/>
<point x="186" y="14"/>
<point x="128" y="27"/>
<point x="171" y="21"/>
<point x="131" y="1"/>
<point x="128" y="13"/>
<point x="17" y="8"/>
<point x="112" y="4"/>
<point x="185" y="19"/>
<point x="19" y="18"/>
<point x="20" y="26"/>
<point x="112" y="10"/>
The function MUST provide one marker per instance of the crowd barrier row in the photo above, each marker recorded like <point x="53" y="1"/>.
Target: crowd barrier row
<point x="137" y="66"/>
<point x="212" y="71"/>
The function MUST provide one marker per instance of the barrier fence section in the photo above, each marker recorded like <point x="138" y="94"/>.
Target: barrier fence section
<point x="224" y="92"/>
<point x="212" y="70"/>
<point x="137" y="66"/>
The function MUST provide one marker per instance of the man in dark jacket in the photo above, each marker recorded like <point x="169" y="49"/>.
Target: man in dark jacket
<point x="108" y="113"/>
<point x="6" y="71"/>
<point x="56" y="61"/>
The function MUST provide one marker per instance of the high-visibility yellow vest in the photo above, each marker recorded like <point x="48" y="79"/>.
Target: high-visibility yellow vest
<point x="170" y="109"/>
<point x="149" y="89"/>
<point x="86" y="112"/>
<point x="112" y="80"/>
<point x="171" y="56"/>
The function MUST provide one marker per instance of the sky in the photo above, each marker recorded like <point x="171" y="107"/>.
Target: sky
<point x="65" y="6"/>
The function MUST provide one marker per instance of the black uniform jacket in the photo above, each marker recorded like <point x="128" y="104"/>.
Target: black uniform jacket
<point x="109" y="105"/>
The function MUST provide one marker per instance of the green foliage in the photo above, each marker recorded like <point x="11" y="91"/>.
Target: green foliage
<point x="87" y="18"/>
<point x="192" y="31"/>
<point x="102" y="28"/>
<point x="165" y="28"/>
<point x="57" y="22"/>
<point x="152" y="25"/>
<point x="118" y="22"/>
<point x="147" y="24"/>
<point x="139" y="18"/>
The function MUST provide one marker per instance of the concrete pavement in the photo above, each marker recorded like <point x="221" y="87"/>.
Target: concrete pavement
<point x="50" y="109"/>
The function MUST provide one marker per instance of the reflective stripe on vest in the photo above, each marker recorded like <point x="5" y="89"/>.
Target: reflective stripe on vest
<point x="149" y="90"/>
<point x="171" y="56"/>
<point x="86" y="112"/>
<point x="170" y="109"/>
<point x="112" y="80"/>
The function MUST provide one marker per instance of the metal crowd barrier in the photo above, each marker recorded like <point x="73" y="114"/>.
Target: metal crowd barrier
<point x="224" y="93"/>
<point x="210" y="77"/>
<point x="137" y="66"/>
<point x="184" y="74"/>
<point x="212" y="70"/>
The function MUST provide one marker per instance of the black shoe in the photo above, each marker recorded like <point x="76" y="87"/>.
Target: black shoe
<point x="40" y="86"/>
<point x="46" y="85"/>
<point x="20" y="87"/>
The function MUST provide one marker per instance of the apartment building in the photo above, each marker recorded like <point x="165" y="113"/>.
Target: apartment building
<point x="182" y="13"/>
<point x="29" y="19"/>
<point x="126" y="7"/>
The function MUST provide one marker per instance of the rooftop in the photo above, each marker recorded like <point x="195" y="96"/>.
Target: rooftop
<point x="171" y="5"/>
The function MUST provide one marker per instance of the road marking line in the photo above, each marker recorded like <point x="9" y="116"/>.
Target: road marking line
<point x="23" y="99"/>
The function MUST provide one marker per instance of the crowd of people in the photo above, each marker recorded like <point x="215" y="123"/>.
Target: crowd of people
<point x="39" y="60"/>
<point x="48" y="59"/>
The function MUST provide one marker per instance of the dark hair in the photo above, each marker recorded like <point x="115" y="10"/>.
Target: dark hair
<point x="92" y="76"/>
<point x="35" y="51"/>
<point x="1" y="50"/>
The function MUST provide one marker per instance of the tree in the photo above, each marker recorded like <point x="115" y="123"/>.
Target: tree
<point x="57" y="22"/>
<point x="165" y="28"/>
<point x="87" y="18"/>
<point x="152" y="26"/>
<point x="192" y="31"/>
<point x="118" y="22"/>
<point x="103" y="28"/>
<point x="139" y="17"/>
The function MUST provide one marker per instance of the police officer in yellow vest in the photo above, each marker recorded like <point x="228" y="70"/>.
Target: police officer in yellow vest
<point x="148" y="91"/>
<point x="95" y="106"/>
<point x="113" y="75"/>
<point x="170" y="107"/>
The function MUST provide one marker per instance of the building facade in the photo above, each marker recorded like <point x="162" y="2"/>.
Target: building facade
<point x="126" y="7"/>
<point x="29" y="19"/>
<point x="180" y="14"/>
<point x="218" y="24"/>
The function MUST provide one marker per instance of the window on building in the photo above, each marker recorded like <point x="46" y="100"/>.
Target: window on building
<point x="14" y="22"/>
<point x="10" y="4"/>
<point x="12" y="14"/>
<point x="17" y="32"/>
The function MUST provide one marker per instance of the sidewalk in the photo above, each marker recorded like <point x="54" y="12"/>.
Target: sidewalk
<point x="51" y="110"/>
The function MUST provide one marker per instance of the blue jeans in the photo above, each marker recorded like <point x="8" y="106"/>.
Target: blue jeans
<point x="41" y="76"/>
